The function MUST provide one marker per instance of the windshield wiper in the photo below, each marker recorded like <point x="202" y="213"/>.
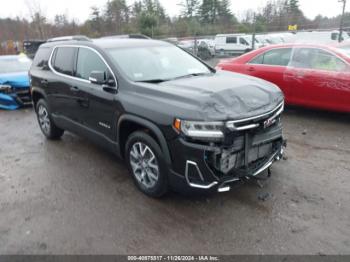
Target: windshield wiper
<point x="190" y="75"/>
<point x="157" y="81"/>
<point x="153" y="81"/>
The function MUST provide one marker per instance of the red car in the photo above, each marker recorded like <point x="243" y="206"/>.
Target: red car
<point x="309" y="75"/>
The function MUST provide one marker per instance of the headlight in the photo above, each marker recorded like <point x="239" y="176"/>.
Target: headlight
<point x="5" y="89"/>
<point x="211" y="131"/>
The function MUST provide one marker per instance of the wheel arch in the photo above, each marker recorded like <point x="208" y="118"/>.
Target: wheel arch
<point x="141" y="124"/>
<point x="37" y="95"/>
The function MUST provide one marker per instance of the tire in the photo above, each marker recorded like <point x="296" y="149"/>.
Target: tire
<point x="47" y="126"/>
<point x="149" y="169"/>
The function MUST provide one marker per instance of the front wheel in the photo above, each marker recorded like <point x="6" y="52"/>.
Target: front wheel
<point x="146" y="164"/>
<point x="47" y="126"/>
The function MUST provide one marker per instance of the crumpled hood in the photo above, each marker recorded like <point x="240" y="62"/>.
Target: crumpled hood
<point x="220" y="96"/>
<point x="16" y="80"/>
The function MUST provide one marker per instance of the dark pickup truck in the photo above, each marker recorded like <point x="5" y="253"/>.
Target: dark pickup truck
<point x="177" y="122"/>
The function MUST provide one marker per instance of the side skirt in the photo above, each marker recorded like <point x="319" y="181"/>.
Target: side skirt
<point x="92" y="135"/>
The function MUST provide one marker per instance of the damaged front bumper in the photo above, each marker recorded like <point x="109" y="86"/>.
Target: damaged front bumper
<point x="13" y="98"/>
<point x="215" y="167"/>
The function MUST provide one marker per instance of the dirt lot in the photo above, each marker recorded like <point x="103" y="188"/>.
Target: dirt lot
<point x="71" y="197"/>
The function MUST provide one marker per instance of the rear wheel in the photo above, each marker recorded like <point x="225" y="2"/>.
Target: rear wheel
<point x="146" y="164"/>
<point x="47" y="126"/>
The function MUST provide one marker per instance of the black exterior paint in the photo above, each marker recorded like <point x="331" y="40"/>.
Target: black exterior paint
<point x="98" y="113"/>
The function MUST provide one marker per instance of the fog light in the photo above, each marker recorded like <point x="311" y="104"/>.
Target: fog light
<point x="224" y="189"/>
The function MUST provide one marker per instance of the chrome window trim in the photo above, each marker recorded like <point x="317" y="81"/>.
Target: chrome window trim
<point x="78" y="78"/>
<point x="292" y="55"/>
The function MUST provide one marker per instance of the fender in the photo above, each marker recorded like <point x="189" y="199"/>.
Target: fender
<point x="152" y="127"/>
<point x="39" y="91"/>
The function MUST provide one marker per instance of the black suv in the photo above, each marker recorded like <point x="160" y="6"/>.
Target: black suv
<point x="175" y="120"/>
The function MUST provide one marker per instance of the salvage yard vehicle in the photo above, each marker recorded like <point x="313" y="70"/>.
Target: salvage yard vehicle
<point x="321" y="37"/>
<point x="314" y="76"/>
<point x="14" y="82"/>
<point x="231" y="44"/>
<point x="177" y="122"/>
<point x="31" y="46"/>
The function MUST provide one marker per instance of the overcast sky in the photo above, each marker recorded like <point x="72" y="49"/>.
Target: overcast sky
<point x="80" y="9"/>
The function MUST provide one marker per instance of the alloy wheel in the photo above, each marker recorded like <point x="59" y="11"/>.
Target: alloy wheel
<point x="44" y="119"/>
<point x="144" y="165"/>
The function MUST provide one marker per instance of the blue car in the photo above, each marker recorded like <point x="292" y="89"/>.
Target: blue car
<point x="14" y="82"/>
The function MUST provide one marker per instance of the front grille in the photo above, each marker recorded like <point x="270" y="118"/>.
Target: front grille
<point x="261" y="121"/>
<point x="226" y="161"/>
<point x="247" y="148"/>
<point x="23" y="97"/>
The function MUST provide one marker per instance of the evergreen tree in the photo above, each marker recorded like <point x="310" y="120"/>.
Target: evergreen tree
<point x="214" y="11"/>
<point x="209" y="11"/>
<point x="294" y="5"/>
<point x="96" y="21"/>
<point x="116" y="15"/>
<point x="190" y="8"/>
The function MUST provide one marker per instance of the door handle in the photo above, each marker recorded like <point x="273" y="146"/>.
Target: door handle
<point x="251" y="69"/>
<point x="108" y="89"/>
<point x="74" y="89"/>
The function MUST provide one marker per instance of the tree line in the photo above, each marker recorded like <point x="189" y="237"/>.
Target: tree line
<point x="149" y="17"/>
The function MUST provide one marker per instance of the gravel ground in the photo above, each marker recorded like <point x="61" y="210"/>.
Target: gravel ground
<point x="72" y="197"/>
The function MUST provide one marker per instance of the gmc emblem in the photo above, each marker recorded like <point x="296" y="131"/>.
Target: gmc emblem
<point x="269" y="122"/>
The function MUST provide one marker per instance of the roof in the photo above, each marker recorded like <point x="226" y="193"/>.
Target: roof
<point x="107" y="43"/>
<point x="223" y="35"/>
<point x="68" y="38"/>
<point x="134" y="36"/>
<point x="330" y="48"/>
<point x="291" y="45"/>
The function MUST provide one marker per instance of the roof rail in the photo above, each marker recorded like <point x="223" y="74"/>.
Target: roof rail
<point x="132" y="36"/>
<point x="69" y="38"/>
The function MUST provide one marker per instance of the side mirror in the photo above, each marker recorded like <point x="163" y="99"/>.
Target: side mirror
<point x="97" y="77"/>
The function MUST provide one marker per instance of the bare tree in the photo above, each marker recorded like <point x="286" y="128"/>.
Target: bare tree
<point x="38" y="18"/>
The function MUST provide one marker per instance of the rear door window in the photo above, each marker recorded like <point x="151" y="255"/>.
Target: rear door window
<point x="323" y="60"/>
<point x="318" y="59"/>
<point x="64" y="60"/>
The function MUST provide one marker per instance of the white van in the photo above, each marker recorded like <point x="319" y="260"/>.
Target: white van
<point x="257" y="44"/>
<point x="231" y="44"/>
<point x="320" y="37"/>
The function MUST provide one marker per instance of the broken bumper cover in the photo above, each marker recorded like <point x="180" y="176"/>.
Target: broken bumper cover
<point x="13" y="98"/>
<point x="201" y="167"/>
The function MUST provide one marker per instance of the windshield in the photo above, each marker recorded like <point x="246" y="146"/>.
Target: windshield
<point x="14" y="64"/>
<point x="345" y="36"/>
<point x="156" y="63"/>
